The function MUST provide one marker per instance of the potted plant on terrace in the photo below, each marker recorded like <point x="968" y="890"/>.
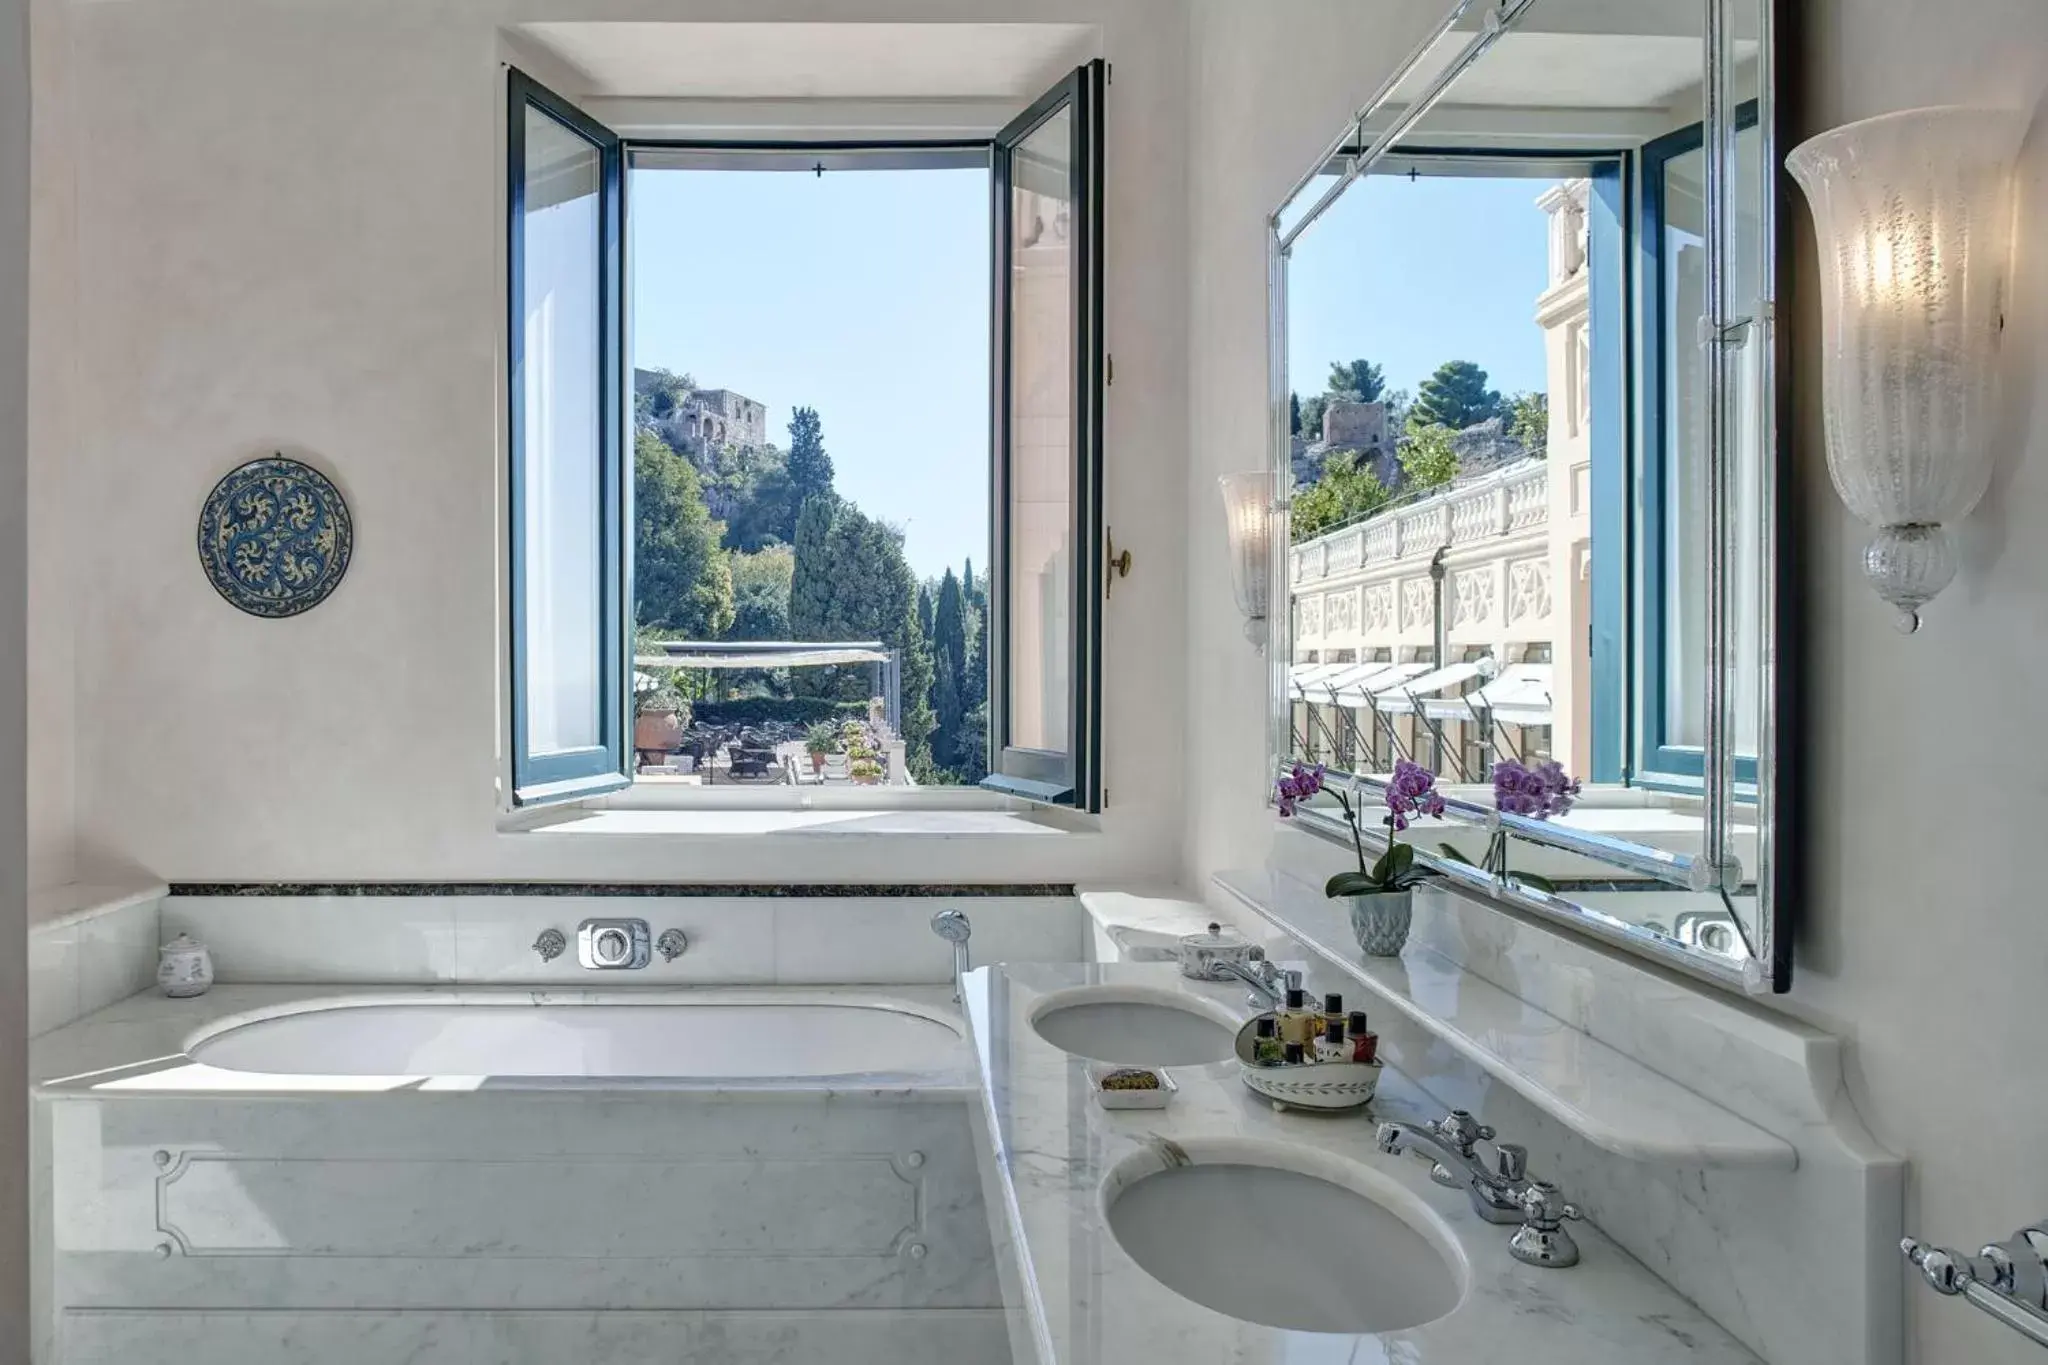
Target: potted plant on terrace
<point x="1380" y="894"/>
<point x="819" y="740"/>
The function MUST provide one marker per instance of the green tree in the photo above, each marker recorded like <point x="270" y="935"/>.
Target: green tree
<point x="1346" y="490"/>
<point x="760" y="588"/>
<point x="924" y="609"/>
<point x="949" y="669"/>
<point x="810" y="468"/>
<point x="1312" y="415"/>
<point x="1361" y="381"/>
<point x="1428" y="458"/>
<point x="1529" y="422"/>
<point x="1456" y="396"/>
<point x="1294" y="414"/>
<point x="682" y="580"/>
<point x="851" y="582"/>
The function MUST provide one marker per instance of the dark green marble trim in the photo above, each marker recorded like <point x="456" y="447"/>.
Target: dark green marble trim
<point x="703" y="890"/>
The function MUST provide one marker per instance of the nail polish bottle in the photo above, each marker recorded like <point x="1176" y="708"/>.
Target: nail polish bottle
<point x="1330" y="1047"/>
<point x="1266" y="1042"/>
<point x="1365" y="1044"/>
<point x="1291" y="1055"/>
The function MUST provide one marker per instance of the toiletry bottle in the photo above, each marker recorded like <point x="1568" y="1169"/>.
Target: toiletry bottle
<point x="1296" y="1019"/>
<point x="1330" y="1047"/>
<point x="1333" y="1008"/>
<point x="1291" y="1055"/>
<point x="1266" y="1041"/>
<point x="1364" y="1042"/>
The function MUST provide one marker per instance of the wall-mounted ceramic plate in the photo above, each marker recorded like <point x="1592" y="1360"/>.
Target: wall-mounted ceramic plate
<point x="275" y="537"/>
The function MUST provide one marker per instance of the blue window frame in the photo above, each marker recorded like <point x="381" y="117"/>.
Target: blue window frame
<point x="1046" y="432"/>
<point x="570" y="481"/>
<point x="1669" y="468"/>
<point x="565" y="198"/>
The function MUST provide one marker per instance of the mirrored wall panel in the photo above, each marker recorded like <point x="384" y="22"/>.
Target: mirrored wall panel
<point x="1529" y="443"/>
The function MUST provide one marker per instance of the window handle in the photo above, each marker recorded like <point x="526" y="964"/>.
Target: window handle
<point x="1115" y="565"/>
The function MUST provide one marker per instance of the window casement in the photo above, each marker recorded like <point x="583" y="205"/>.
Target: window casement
<point x="570" y="479"/>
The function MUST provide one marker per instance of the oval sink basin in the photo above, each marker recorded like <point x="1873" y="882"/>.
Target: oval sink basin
<point x="1135" y="1026"/>
<point x="1284" y="1237"/>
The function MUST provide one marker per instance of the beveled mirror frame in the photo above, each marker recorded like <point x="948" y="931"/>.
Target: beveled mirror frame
<point x="1767" y="966"/>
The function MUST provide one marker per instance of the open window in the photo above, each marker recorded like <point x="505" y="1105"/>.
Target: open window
<point x="565" y="211"/>
<point x="926" y="680"/>
<point x="1047" y="437"/>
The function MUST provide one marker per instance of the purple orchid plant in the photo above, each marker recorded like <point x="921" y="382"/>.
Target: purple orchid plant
<point x="1410" y="794"/>
<point x="1536" y="792"/>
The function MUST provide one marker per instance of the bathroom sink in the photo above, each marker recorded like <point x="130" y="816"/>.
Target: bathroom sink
<point x="1135" y="1025"/>
<point x="1285" y="1237"/>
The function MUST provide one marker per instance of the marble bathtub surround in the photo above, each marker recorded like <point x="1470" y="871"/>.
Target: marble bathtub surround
<point x="89" y="946"/>
<point x="309" y="1220"/>
<point x="1076" y="1297"/>
<point x="699" y="890"/>
<point x="1797" y="1263"/>
<point x="489" y="939"/>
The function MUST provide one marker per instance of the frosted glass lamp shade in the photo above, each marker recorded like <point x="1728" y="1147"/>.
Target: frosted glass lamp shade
<point x="1914" y="214"/>
<point x="1248" y="520"/>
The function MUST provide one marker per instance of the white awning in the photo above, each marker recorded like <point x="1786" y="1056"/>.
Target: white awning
<point x="1367" y="691"/>
<point x="768" y="656"/>
<point x="1410" y="697"/>
<point x="1519" y="696"/>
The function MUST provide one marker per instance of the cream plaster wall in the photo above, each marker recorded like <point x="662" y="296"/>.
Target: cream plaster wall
<point x="14" y="319"/>
<point x="52" y="447"/>
<point x="288" y="227"/>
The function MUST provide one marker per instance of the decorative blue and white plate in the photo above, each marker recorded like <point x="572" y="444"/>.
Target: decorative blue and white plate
<point x="275" y="537"/>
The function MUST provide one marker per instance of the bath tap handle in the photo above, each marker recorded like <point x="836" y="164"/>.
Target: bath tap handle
<point x="672" y="944"/>
<point x="551" y="944"/>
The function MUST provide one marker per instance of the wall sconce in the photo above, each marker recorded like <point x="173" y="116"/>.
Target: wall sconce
<point x="1248" y="518"/>
<point x="1914" y="212"/>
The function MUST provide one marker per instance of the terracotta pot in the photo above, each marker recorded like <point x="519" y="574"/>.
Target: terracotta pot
<point x="656" y="729"/>
<point x="817" y="763"/>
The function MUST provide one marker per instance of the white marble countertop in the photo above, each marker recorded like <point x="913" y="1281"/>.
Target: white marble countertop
<point x="137" y="1046"/>
<point x="1613" y="1101"/>
<point x="1075" y="1298"/>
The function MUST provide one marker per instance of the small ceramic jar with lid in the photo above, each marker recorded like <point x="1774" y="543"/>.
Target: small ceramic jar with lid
<point x="1200" y="953"/>
<point x="184" y="967"/>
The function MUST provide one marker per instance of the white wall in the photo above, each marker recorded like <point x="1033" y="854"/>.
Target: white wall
<point x="52" y="443"/>
<point x="287" y="238"/>
<point x="14" y="256"/>
<point x="1926" y="944"/>
<point x="1922" y="946"/>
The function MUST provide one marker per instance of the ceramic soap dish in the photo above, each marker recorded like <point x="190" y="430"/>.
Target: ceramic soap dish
<point x="1130" y="1087"/>
<point x="1325" y="1086"/>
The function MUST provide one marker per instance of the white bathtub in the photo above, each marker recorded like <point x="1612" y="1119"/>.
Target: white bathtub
<point x="704" y="1035"/>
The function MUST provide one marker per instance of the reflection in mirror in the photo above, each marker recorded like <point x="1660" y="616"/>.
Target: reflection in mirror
<point x="1502" y="449"/>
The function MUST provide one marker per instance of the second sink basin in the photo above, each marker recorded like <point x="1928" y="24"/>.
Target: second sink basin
<point x="1282" y="1236"/>
<point x="1135" y="1025"/>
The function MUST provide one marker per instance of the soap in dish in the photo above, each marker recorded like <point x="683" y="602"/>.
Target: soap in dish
<point x="1130" y="1087"/>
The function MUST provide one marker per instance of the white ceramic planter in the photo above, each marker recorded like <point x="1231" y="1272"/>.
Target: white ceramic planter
<point x="1380" y="922"/>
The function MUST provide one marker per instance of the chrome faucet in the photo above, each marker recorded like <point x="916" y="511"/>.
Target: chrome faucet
<point x="1269" y="984"/>
<point x="1503" y="1194"/>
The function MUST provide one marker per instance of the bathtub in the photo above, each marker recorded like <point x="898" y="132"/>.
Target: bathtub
<point x="785" y="1036"/>
<point x="322" y="1175"/>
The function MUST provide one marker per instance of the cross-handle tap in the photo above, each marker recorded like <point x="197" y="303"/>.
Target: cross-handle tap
<point x="1504" y="1194"/>
<point x="1496" y="1194"/>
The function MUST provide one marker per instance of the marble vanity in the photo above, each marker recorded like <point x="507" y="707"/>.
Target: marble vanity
<point x="1074" y="1296"/>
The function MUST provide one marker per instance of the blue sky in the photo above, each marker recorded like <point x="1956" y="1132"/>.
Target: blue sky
<point x="863" y="294"/>
<point x="1409" y="274"/>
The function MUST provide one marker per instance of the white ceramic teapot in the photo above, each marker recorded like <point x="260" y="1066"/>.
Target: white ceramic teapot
<point x="184" y="967"/>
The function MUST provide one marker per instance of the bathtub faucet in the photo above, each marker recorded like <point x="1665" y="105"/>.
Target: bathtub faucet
<point x="952" y="926"/>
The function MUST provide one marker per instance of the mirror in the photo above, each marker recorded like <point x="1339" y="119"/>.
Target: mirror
<point x="1524" y="358"/>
